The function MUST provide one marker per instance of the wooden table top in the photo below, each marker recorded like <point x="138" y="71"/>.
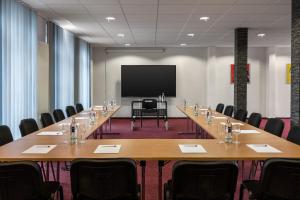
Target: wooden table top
<point x="151" y="149"/>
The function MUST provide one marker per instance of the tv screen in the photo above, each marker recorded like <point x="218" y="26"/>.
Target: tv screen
<point x="148" y="80"/>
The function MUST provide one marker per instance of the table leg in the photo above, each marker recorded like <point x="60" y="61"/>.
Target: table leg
<point x="109" y="121"/>
<point x="161" y="163"/>
<point x="58" y="171"/>
<point x="47" y="171"/>
<point x="143" y="183"/>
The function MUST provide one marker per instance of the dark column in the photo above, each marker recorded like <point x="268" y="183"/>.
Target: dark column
<point x="240" y="68"/>
<point x="295" y="86"/>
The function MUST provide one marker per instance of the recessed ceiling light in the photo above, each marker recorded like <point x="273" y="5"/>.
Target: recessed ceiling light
<point x="191" y="34"/>
<point x="121" y="35"/>
<point x="127" y="45"/>
<point x="261" y="35"/>
<point x="110" y="19"/>
<point x="205" y="18"/>
<point x="183" y="44"/>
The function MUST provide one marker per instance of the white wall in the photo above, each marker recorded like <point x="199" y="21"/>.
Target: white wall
<point x="191" y="75"/>
<point x="203" y="76"/>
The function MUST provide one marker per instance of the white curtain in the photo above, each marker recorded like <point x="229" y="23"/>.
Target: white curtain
<point x="18" y="64"/>
<point x="84" y="76"/>
<point x="63" y="66"/>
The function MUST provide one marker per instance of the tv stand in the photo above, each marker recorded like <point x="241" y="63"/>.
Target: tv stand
<point x="136" y="112"/>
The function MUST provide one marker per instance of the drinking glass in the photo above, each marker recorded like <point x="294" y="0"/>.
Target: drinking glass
<point x="221" y="132"/>
<point x="236" y="131"/>
<point x="83" y="130"/>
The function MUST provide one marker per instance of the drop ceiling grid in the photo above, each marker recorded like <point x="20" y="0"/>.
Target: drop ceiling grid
<point x="146" y="21"/>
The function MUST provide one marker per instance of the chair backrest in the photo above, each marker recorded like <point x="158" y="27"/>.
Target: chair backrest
<point x="79" y="107"/>
<point x="220" y="108"/>
<point x="254" y="119"/>
<point x="28" y="126"/>
<point x="46" y="119"/>
<point x="294" y="135"/>
<point x="274" y="126"/>
<point x="20" y="181"/>
<point x="5" y="135"/>
<point x="58" y="115"/>
<point x="204" y="180"/>
<point x="70" y="110"/>
<point x="228" y="111"/>
<point x="149" y="104"/>
<point x="241" y="115"/>
<point x="280" y="179"/>
<point x="104" y="179"/>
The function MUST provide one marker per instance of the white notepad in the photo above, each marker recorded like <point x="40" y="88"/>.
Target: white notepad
<point x="233" y="123"/>
<point x="84" y="118"/>
<point x="263" y="148"/>
<point x="108" y="149"/>
<point x="50" y="133"/>
<point x="249" y="131"/>
<point x="39" y="149"/>
<point x="192" y="148"/>
<point x="219" y="117"/>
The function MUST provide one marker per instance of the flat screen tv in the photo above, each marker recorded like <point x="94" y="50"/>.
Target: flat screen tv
<point x="148" y="80"/>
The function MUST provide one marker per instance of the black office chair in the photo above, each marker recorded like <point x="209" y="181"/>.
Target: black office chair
<point x="279" y="180"/>
<point x="79" y="107"/>
<point x="274" y="126"/>
<point x="254" y="120"/>
<point x="220" y="108"/>
<point x="104" y="179"/>
<point x="28" y="126"/>
<point x="58" y="115"/>
<point x="241" y="115"/>
<point x="149" y="106"/>
<point x="5" y="135"/>
<point x="46" y="119"/>
<point x="294" y="135"/>
<point x="70" y="110"/>
<point x="23" y="181"/>
<point x="228" y="111"/>
<point x="193" y="180"/>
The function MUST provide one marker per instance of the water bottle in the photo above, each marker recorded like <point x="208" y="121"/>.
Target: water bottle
<point x="163" y="97"/>
<point x="73" y="132"/>
<point x="208" y="115"/>
<point x="196" y="110"/>
<point x="228" y="129"/>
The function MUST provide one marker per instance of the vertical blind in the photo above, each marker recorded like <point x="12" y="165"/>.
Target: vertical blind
<point x="84" y="74"/>
<point x="62" y="50"/>
<point x="18" y="64"/>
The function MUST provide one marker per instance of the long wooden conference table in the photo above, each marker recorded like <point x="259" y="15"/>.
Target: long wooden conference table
<point x="143" y="150"/>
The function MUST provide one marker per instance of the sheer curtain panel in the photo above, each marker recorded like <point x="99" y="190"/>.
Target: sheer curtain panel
<point x="18" y="64"/>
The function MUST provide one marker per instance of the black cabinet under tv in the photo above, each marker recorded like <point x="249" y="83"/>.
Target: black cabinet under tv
<point x="137" y="112"/>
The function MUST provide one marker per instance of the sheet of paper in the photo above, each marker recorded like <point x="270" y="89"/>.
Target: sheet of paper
<point x="219" y="117"/>
<point x="192" y="148"/>
<point x="249" y="131"/>
<point x="263" y="148"/>
<point x="39" y="149"/>
<point x="233" y="123"/>
<point x="50" y="133"/>
<point x="237" y="123"/>
<point x="112" y="148"/>
<point x="84" y="118"/>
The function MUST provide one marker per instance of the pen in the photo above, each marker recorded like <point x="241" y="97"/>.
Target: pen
<point x="191" y="145"/>
<point x="109" y="146"/>
<point x="260" y="145"/>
